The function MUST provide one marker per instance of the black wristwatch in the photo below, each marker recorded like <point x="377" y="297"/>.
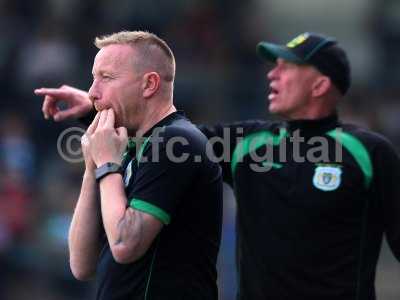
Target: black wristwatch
<point x="107" y="168"/>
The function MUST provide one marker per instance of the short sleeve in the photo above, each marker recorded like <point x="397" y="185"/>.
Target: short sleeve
<point x="162" y="179"/>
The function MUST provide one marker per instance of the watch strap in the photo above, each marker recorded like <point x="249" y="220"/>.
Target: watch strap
<point x="106" y="169"/>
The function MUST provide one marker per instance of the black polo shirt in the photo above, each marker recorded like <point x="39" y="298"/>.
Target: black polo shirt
<point x="310" y="229"/>
<point x="184" y="194"/>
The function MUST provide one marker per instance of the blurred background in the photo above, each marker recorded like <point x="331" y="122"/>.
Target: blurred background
<point x="219" y="78"/>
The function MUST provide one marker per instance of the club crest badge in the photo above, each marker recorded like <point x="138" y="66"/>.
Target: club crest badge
<point x="327" y="178"/>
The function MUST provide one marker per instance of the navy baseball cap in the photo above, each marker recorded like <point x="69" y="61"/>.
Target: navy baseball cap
<point x="314" y="49"/>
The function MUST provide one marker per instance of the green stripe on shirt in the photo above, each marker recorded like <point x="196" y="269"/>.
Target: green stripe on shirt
<point x="151" y="210"/>
<point x="357" y="150"/>
<point x="252" y="142"/>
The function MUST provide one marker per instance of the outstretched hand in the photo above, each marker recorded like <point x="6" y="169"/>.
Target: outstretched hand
<point x="77" y="101"/>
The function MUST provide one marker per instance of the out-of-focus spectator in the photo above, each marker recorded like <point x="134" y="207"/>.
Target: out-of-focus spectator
<point x="17" y="160"/>
<point x="44" y="42"/>
<point x="47" y="57"/>
<point x="386" y="27"/>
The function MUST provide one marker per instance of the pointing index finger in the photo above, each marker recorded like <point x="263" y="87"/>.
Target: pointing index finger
<point x="58" y="93"/>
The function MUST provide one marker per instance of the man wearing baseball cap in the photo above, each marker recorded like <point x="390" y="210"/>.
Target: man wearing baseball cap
<point x="315" y="196"/>
<point x="316" y="50"/>
<point x="310" y="224"/>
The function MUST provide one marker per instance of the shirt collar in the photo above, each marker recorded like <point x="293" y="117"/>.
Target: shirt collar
<point x="314" y="127"/>
<point x="165" y="121"/>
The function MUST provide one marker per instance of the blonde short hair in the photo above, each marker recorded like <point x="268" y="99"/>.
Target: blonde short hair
<point x="154" y="51"/>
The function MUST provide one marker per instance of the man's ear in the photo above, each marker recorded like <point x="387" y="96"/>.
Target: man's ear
<point x="321" y="86"/>
<point x="151" y="84"/>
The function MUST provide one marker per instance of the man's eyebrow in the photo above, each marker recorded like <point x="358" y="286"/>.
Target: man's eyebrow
<point x="101" y="72"/>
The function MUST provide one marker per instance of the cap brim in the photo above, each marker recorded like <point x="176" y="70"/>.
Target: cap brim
<point x="271" y="52"/>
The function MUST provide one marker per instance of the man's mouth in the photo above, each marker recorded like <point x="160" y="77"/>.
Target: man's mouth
<point x="273" y="92"/>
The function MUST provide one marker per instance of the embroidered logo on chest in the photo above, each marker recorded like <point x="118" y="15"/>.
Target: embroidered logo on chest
<point x="327" y="178"/>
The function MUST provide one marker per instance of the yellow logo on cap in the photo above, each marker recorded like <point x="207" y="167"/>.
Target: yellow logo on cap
<point x="298" y="40"/>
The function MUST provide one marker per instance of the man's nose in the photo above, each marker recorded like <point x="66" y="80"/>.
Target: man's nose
<point x="273" y="73"/>
<point x="94" y="93"/>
